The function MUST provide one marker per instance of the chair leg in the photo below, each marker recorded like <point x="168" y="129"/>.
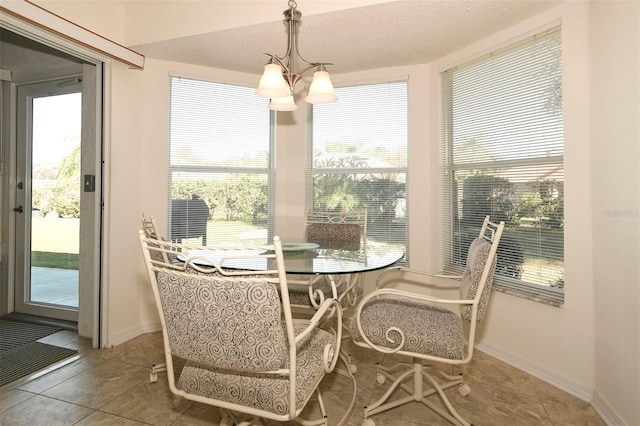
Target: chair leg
<point x="416" y="393"/>
<point x="348" y="373"/>
<point x="155" y="369"/>
<point x="323" y="421"/>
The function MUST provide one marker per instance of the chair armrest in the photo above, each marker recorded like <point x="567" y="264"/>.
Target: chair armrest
<point x="413" y="296"/>
<point x="399" y="294"/>
<point x="327" y="310"/>
<point x="417" y="273"/>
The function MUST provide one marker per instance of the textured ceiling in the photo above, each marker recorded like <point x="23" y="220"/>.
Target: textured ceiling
<point x="378" y="36"/>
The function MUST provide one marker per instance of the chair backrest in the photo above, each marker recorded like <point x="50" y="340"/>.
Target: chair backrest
<point x="224" y="322"/>
<point x="219" y="316"/>
<point x="339" y="229"/>
<point x="150" y="229"/>
<point x="478" y="275"/>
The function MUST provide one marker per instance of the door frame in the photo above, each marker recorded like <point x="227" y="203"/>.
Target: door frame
<point x="35" y="22"/>
<point x="23" y="152"/>
<point x="90" y="320"/>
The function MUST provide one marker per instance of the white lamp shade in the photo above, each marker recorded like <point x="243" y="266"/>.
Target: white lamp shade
<point x="272" y="83"/>
<point x="283" y="104"/>
<point x="321" y="89"/>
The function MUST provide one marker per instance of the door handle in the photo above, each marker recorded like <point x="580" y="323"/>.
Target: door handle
<point x="19" y="209"/>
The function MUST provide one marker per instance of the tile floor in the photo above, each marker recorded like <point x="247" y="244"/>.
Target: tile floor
<point x="111" y="387"/>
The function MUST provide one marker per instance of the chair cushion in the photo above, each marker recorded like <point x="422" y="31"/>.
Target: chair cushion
<point x="335" y="235"/>
<point x="429" y="330"/>
<point x="476" y="260"/>
<point x="221" y="322"/>
<point x="268" y="392"/>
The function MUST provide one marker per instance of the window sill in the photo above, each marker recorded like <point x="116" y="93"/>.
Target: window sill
<point x="547" y="296"/>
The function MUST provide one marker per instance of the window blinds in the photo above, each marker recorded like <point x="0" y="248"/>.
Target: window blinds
<point x="220" y="152"/>
<point x="358" y="157"/>
<point x="503" y="156"/>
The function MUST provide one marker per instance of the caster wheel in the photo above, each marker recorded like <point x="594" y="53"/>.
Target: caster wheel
<point x="368" y="422"/>
<point x="464" y="390"/>
<point x="352" y="368"/>
<point x="380" y="379"/>
<point x="153" y="377"/>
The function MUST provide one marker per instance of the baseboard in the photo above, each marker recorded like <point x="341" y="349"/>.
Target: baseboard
<point x="606" y="411"/>
<point x="151" y="327"/>
<point x="130" y="333"/>
<point x="553" y="377"/>
<point x="123" y="336"/>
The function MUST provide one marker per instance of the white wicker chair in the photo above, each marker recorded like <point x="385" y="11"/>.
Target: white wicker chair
<point x="243" y="351"/>
<point x="423" y="328"/>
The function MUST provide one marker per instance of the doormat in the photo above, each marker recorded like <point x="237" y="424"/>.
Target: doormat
<point x="21" y="355"/>
<point x="14" y="334"/>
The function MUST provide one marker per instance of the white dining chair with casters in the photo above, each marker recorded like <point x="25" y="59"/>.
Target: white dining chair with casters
<point x="426" y="328"/>
<point x="239" y="346"/>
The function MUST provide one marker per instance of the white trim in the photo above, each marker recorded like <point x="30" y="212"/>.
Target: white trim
<point x="606" y="411"/>
<point x="24" y="11"/>
<point x="123" y="335"/>
<point x="106" y="201"/>
<point x="554" y="377"/>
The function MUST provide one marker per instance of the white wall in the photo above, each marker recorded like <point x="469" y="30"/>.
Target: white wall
<point x="103" y="17"/>
<point x="614" y="67"/>
<point x="124" y="185"/>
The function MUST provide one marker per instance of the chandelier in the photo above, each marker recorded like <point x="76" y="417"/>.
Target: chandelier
<point x="280" y="77"/>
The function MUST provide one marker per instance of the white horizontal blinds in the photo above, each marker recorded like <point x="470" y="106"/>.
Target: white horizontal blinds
<point x="219" y="163"/>
<point x="359" y="157"/>
<point x="503" y="147"/>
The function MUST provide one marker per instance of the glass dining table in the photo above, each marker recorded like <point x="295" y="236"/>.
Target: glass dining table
<point x="339" y="264"/>
<point x="327" y="258"/>
<point x="317" y="258"/>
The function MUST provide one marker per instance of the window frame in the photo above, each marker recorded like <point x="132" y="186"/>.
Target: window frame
<point x="268" y="171"/>
<point x="311" y="171"/>
<point x="509" y="285"/>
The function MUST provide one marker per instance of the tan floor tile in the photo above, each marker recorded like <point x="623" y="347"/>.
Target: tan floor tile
<point x="116" y="381"/>
<point x="40" y="410"/>
<point x="199" y="415"/>
<point x="151" y="403"/>
<point x="144" y="350"/>
<point x="98" y="418"/>
<point x="573" y="412"/>
<point x="68" y="339"/>
<point x="57" y="376"/>
<point x="13" y="397"/>
<point x="98" y="385"/>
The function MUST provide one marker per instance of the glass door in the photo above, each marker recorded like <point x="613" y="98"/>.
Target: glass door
<point x="48" y="199"/>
